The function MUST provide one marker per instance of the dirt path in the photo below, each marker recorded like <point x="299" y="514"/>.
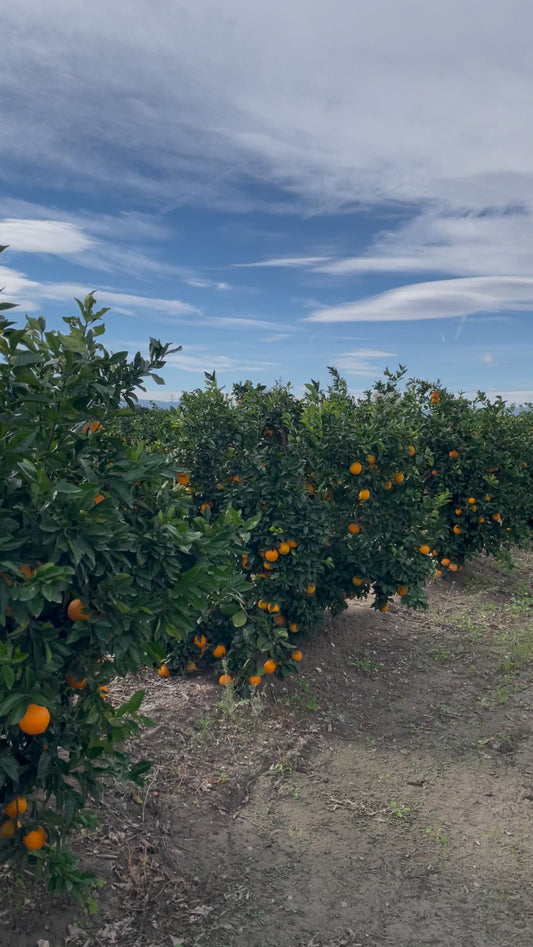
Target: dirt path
<point x="383" y="797"/>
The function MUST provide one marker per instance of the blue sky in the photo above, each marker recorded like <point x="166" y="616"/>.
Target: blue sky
<point x="278" y="187"/>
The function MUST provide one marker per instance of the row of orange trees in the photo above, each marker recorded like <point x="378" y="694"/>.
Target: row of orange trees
<point x="218" y="532"/>
<point x="356" y="498"/>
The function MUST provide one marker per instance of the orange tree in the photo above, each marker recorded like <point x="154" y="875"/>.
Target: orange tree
<point x="102" y="563"/>
<point x="342" y="504"/>
<point x="481" y="452"/>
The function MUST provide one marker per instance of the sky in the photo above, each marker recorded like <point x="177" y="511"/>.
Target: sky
<point x="277" y="187"/>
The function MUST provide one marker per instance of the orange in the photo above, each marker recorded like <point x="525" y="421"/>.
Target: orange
<point x="425" y="550"/>
<point x="91" y="427"/>
<point x="310" y="488"/>
<point x="401" y="590"/>
<point x="435" y="397"/>
<point x="268" y="566"/>
<point x="357" y="580"/>
<point x="280" y="620"/>
<point x="364" y="494"/>
<point x="271" y="555"/>
<point x="296" y="655"/>
<point x="471" y="500"/>
<point x="311" y="589"/>
<point x="387" y="485"/>
<point x="77" y="685"/>
<point x="438" y="573"/>
<point x="191" y="666"/>
<point x="458" y="511"/>
<point x="292" y="543"/>
<point x="225" y="679"/>
<point x="200" y="641"/>
<point x="98" y="498"/>
<point x="16" y="807"/>
<point x="35" y="720"/>
<point x="183" y="478"/>
<point x="263" y="605"/>
<point x="27" y="571"/>
<point x="454" y="454"/>
<point x="354" y="528"/>
<point x="284" y="549"/>
<point x="254" y="680"/>
<point x="356" y="467"/>
<point x="371" y="458"/>
<point x="399" y="477"/>
<point x="219" y="651"/>
<point x="481" y="519"/>
<point x="488" y="498"/>
<point x="163" y="671"/>
<point x="35" y="839"/>
<point x="445" y="562"/>
<point x="103" y="690"/>
<point x="294" y="626"/>
<point x="76" y="612"/>
<point x="411" y="450"/>
<point x="385" y="607"/>
<point x="434" y="472"/>
<point x="273" y="609"/>
<point x="457" y="529"/>
<point x="453" y="567"/>
<point x="204" y="507"/>
<point x="7" y="829"/>
<point x="269" y="666"/>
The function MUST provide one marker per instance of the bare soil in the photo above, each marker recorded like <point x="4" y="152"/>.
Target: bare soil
<point x="383" y="796"/>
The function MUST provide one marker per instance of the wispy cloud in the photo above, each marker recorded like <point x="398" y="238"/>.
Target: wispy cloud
<point x="43" y="236"/>
<point x="439" y="299"/>
<point x="305" y="262"/>
<point x="359" y="362"/>
<point x="209" y="362"/>
<point x="198" y="283"/>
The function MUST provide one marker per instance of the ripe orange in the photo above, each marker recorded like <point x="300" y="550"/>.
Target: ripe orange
<point x="254" y="680"/>
<point x="200" y="641"/>
<point x="471" y="500"/>
<point x="354" y="528"/>
<point x="292" y="543"/>
<point x="191" y="666"/>
<point x="496" y="517"/>
<point x="364" y="494"/>
<point x="225" y="679"/>
<point x="435" y="397"/>
<point x="35" y="839"/>
<point x="98" y="498"/>
<point x="7" y="829"/>
<point x="356" y="467"/>
<point x="76" y="684"/>
<point x="269" y="666"/>
<point x="76" y="610"/>
<point x="434" y="472"/>
<point x="268" y="566"/>
<point x="438" y="573"/>
<point x="399" y="477"/>
<point x="357" y="580"/>
<point x="411" y="450"/>
<point x="163" y="671"/>
<point x="91" y="427"/>
<point x="219" y="651"/>
<point x="453" y="567"/>
<point x="103" y="690"/>
<point x="294" y="626"/>
<point x="35" y="720"/>
<point x="371" y="459"/>
<point x="454" y="454"/>
<point x="273" y="609"/>
<point x="280" y="620"/>
<point x="445" y="562"/>
<point x="262" y="605"/>
<point x="16" y="807"/>
<point x="458" y="511"/>
<point x="204" y="507"/>
<point x="387" y="485"/>
<point x="481" y="519"/>
<point x="271" y="555"/>
<point x="385" y="607"/>
<point x="402" y="590"/>
<point x="488" y="498"/>
<point x="457" y="529"/>
<point x="284" y="549"/>
<point x="183" y="478"/>
<point x="425" y="550"/>
<point x="296" y="655"/>
<point x="311" y="589"/>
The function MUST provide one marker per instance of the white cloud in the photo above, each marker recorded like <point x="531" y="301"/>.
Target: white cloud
<point x="358" y="362"/>
<point x="239" y="322"/>
<point x="287" y="261"/>
<point x="29" y="295"/>
<point x="487" y="358"/>
<point x="198" y="283"/>
<point x="209" y="362"/>
<point x="43" y="236"/>
<point x="439" y="299"/>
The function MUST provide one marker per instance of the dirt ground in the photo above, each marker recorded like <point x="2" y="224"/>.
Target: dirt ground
<point x="383" y="796"/>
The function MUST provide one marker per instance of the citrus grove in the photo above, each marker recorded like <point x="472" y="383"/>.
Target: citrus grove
<point x="215" y="534"/>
